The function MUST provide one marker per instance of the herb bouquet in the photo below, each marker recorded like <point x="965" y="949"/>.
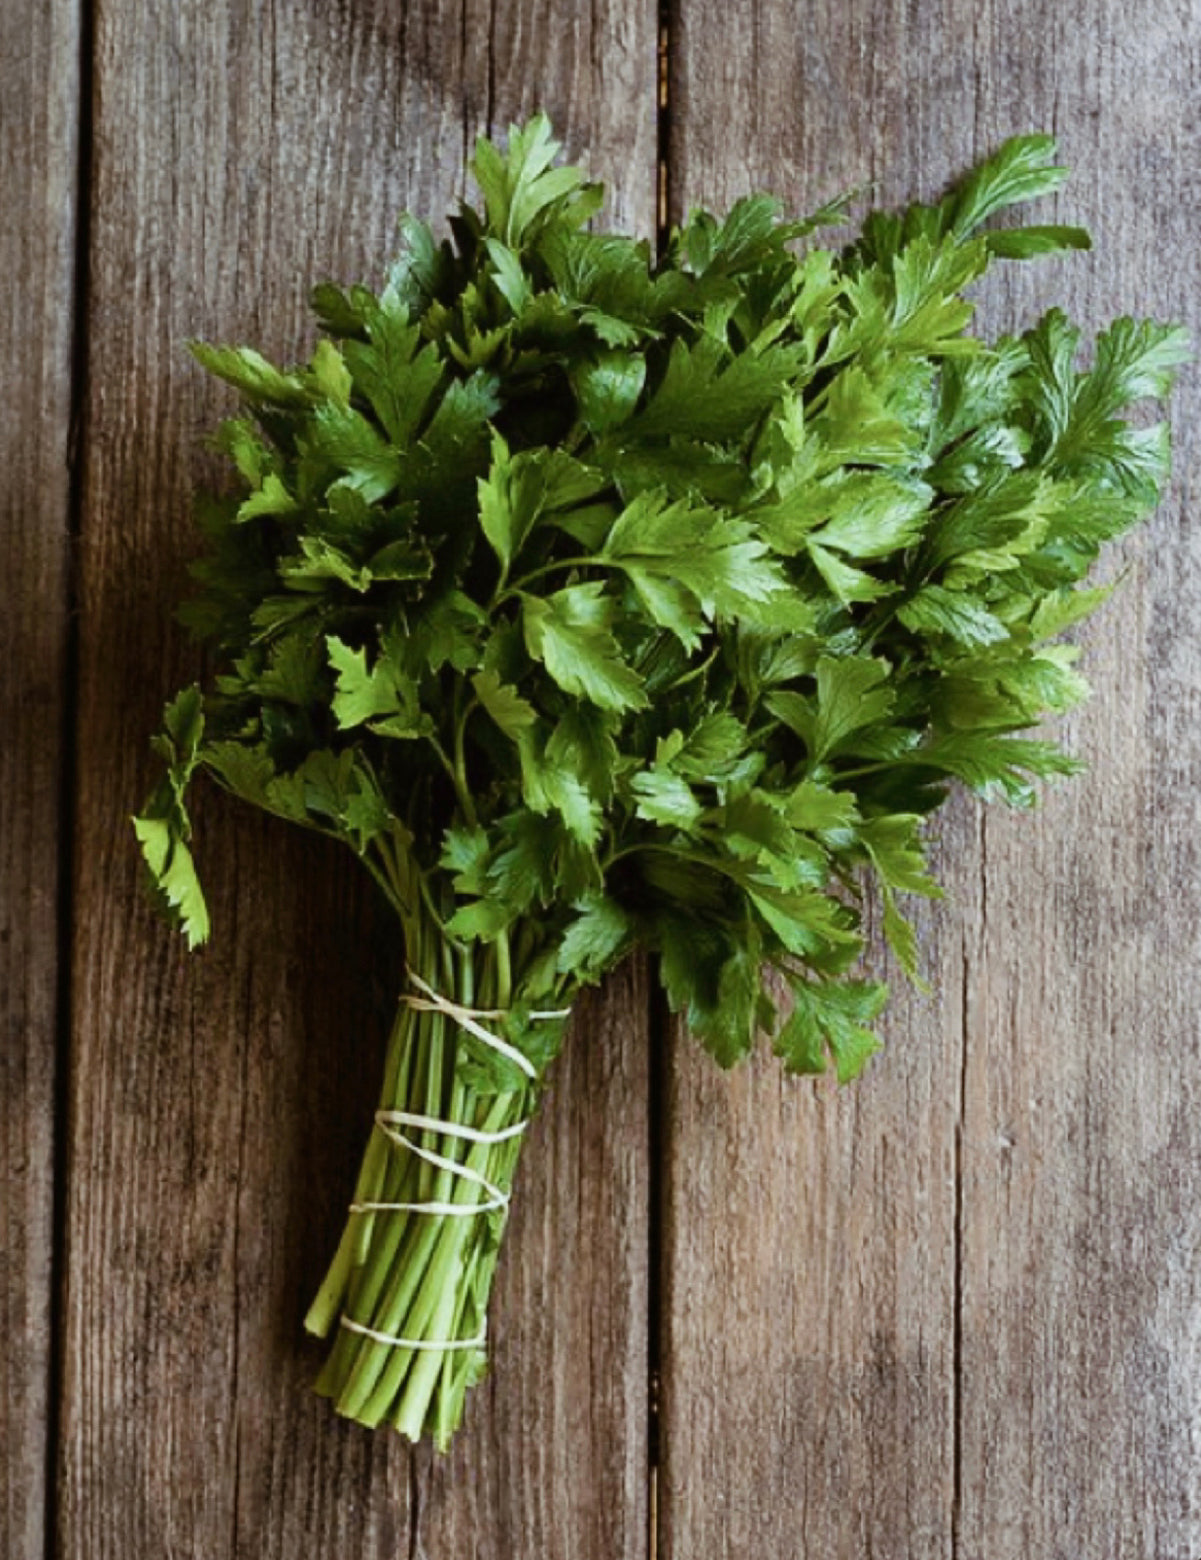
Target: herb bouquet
<point x="600" y="601"/>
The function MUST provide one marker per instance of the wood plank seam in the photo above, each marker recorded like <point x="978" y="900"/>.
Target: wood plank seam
<point x="663" y="193"/>
<point x="69" y="760"/>
<point x="658" y="1017"/>
<point x="972" y="943"/>
<point x="39" y="49"/>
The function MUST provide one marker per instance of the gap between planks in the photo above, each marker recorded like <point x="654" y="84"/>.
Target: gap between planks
<point x="80" y="366"/>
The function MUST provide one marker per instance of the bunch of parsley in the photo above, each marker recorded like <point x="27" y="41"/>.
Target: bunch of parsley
<point x="601" y="601"/>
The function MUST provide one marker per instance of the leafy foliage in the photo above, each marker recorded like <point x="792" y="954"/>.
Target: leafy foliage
<point x="598" y="600"/>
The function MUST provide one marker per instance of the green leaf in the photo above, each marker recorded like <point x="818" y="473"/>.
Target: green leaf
<point x="360" y="694"/>
<point x="549" y="787"/>
<point x="706" y="393"/>
<point x="510" y="499"/>
<point x="183" y="722"/>
<point x="465" y="853"/>
<point x="893" y="842"/>
<point x="459" y="426"/>
<point x="818" y="810"/>
<point x="513" y="714"/>
<point x="1021" y="169"/>
<point x="597" y="937"/>
<point x="1064" y="608"/>
<point x="928" y="313"/>
<point x="713" y="750"/>
<point x="934" y="610"/>
<point x="872" y="515"/>
<point x="848" y="584"/>
<point x="1135" y="360"/>
<point x="664" y="798"/>
<point x="1027" y="243"/>
<point x="608" y="388"/>
<point x="714" y="981"/>
<point x="719" y="561"/>
<point x="481" y="921"/>
<point x="569" y="633"/>
<point x="346" y="441"/>
<point x="988" y="762"/>
<point x="366" y="815"/>
<point x="852" y="693"/>
<point x="421" y="271"/>
<point x="999" y="522"/>
<point x="831" y="1018"/>
<point x="522" y="190"/>
<point x="511" y="281"/>
<point x="164" y="830"/>
<point x="330" y="373"/>
<point x="272" y="498"/>
<point x="250" y="372"/>
<point x="398" y="375"/>
<point x="582" y="744"/>
<point x="174" y="874"/>
<point x="858" y="426"/>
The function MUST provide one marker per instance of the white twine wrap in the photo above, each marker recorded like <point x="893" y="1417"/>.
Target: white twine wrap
<point x="414" y="1343"/>
<point x="390" y="1121"/>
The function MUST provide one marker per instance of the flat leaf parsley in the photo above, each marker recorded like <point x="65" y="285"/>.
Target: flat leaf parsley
<point x="602" y="601"/>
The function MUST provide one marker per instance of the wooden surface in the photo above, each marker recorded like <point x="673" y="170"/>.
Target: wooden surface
<point x="966" y="1297"/>
<point x="39" y="136"/>
<point x="953" y="1312"/>
<point x="219" y="1104"/>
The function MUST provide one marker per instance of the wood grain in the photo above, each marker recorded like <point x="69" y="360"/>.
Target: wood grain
<point x="39" y="87"/>
<point x="219" y="1104"/>
<point x="956" y="1311"/>
<point x="1081" y="1286"/>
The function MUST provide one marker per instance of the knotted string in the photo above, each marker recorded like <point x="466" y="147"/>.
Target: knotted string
<point x="389" y="1122"/>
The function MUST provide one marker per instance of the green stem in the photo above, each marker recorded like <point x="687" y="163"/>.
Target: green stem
<point x="504" y="591"/>
<point x="463" y="789"/>
<point x="423" y="1275"/>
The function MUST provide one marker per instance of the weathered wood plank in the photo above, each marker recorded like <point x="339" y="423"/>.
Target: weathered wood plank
<point x="553" y="1458"/>
<point x="219" y="1105"/>
<point x="1081" y="1285"/>
<point x="808" y="1331"/>
<point x="809" y="1288"/>
<point x="39" y="129"/>
<point x="956" y="1311"/>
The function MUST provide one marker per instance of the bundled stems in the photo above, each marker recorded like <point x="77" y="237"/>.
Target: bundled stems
<point x="407" y="1292"/>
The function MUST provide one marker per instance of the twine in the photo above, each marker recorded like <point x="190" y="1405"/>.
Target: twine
<point x="390" y="1121"/>
<point x="413" y="1343"/>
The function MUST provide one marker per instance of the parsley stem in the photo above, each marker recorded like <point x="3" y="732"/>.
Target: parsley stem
<point x="555" y="564"/>
<point x="462" y="788"/>
<point x="658" y="847"/>
<point x="860" y="770"/>
<point x="457" y="778"/>
<point x="413" y="1273"/>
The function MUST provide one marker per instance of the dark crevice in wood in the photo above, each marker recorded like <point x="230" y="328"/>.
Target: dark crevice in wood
<point x="663" y="189"/>
<point x="658" y="1155"/>
<point x="960" y="1215"/>
<point x="414" y="1507"/>
<point x="235" y="1406"/>
<point x="957" y="1271"/>
<point x="236" y="1492"/>
<point x="658" y="1017"/>
<point x="69" y="766"/>
<point x="490" y="100"/>
<point x="464" y="40"/>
